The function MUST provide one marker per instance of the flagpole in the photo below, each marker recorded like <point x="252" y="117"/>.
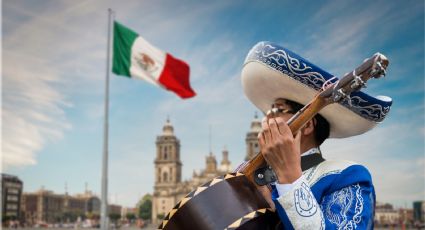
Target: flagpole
<point x="104" y="218"/>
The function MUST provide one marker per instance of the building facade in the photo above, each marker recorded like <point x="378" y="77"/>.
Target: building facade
<point x="11" y="196"/>
<point x="114" y="209"/>
<point x="386" y="215"/>
<point x="44" y="206"/>
<point x="419" y="211"/>
<point x="169" y="187"/>
<point x="251" y="140"/>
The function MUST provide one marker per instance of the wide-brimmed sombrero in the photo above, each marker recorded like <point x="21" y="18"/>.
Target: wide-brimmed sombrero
<point x="271" y="71"/>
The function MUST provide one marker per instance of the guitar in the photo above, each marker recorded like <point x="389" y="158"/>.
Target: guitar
<point x="236" y="201"/>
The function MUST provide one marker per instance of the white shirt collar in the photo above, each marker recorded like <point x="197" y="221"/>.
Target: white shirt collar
<point x="311" y="151"/>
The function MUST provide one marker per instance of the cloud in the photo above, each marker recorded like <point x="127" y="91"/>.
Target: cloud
<point x="36" y="78"/>
<point x="347" y="30"/>
<point x="33" y="110"/>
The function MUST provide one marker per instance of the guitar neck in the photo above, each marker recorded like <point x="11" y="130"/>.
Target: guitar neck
<point x="295" y="124"/>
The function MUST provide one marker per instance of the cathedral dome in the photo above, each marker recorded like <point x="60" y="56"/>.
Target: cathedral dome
<point x="168" y="129"/>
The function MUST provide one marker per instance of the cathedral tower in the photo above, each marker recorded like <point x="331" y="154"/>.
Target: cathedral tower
<point x="251" y="140"/>
<point x="168" y="166"/>
<point x="168" y="172"/>
<point x="225" y="166"/>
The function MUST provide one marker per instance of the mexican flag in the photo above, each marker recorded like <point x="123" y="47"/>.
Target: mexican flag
<point x="136" y="58"/>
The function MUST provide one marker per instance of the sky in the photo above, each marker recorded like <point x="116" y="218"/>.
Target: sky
<point x="54" y="68"/>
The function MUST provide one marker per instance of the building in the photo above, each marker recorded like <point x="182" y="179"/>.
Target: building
<point x="169" y="187"/>
<point x="74" y="206"/>
<point x="114" y="209"/>
<point x="126" y="211"/>
<point x="88" y="202"/>
<point x="11" y="187"/>
<point x="29" y="207"/>
<point x="386" y="215"/>
<point x="419" y="211"/>
<point x="93" y="205"/>
<point x="251" y="140"/>
<point x="406" y="216"/>
<point x="42" y="206"/>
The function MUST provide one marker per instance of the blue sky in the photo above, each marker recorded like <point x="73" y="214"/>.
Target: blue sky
<point x="53" y="87"/>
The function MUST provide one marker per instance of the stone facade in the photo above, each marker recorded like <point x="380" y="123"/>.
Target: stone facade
<point x="169" y="187"/>
<point x="251" y="140"/>
<point x="44" y="206"/>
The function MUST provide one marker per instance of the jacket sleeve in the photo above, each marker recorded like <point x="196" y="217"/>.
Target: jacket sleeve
<point x="350" y="207"/>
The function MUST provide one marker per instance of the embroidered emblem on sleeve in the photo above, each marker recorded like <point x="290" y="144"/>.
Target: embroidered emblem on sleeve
<point x="304" y="201"/>
<point x="337" y="207"/>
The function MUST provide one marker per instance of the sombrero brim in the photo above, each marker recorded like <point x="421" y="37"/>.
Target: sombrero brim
<point x="272" y="72"/>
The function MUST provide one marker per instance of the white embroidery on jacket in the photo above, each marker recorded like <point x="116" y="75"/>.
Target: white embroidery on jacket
<point x="346" y="199"/>
<point x="305" y="203"/>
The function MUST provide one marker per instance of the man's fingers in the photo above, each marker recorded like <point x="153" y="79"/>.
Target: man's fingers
<point x="274" y="128"/>
<point x="283" y="127"/>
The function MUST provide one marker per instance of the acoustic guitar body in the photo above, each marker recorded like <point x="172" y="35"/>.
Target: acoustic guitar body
<point x="227" y="202"/>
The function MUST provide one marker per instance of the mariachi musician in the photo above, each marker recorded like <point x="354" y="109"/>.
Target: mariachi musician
<point x="333" y="194"/>
<point x="304" y="105"/>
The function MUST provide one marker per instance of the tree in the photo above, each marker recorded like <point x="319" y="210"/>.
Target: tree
<point x="130" y="217"/>
<point x="114" y="217"/>
<point x="145" y="207"/>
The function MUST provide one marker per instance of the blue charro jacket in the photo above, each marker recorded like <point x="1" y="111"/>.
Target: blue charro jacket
<point x="331" y="195"/>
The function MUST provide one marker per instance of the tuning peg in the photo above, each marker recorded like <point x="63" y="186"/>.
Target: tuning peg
<point x="339" y="95"/>
<point x="378" y="71"/>
<point x="358" y="83"/>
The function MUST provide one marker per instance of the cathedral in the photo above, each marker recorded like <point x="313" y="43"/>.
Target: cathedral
<point x="169" y="187"/>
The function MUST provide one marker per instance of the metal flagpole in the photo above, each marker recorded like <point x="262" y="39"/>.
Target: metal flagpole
<point x="104" y="218"/>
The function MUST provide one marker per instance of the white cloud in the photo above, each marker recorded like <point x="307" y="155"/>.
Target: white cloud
<point x="33" y="110"/>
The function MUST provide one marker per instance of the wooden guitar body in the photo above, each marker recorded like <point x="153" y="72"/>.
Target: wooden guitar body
<point x="227" y="202"/>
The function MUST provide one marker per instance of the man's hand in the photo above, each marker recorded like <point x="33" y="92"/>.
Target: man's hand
<point x="280" y="149"/>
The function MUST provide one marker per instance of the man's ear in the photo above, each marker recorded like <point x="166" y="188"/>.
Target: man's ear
<point x="309" y="127"/>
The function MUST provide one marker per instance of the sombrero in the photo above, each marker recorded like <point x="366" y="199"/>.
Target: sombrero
<point x="271" y="71"/>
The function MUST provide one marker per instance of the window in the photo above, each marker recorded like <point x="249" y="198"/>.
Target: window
<point x="12" y="207"/>
<point x="256" y="148"/>
<point x="165" y="176"/>
<point x="13" y="191"/>
<point x="12" y="198"/>
<point x="159" y="175"/>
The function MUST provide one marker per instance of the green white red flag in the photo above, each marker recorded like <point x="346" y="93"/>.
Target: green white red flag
<point x="136" y="58"/>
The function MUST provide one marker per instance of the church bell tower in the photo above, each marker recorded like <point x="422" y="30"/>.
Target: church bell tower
<point x="168" y="172"/>
<point x="251" y="140"/>
<point x="168" y="166"/>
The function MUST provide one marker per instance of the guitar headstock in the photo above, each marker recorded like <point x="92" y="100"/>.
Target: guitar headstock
<point x="373" y="67"/>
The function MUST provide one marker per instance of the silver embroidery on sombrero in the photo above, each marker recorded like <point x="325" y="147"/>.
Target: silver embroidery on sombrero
<point x="367" y="110"/>
<point x="280" y="60"/>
